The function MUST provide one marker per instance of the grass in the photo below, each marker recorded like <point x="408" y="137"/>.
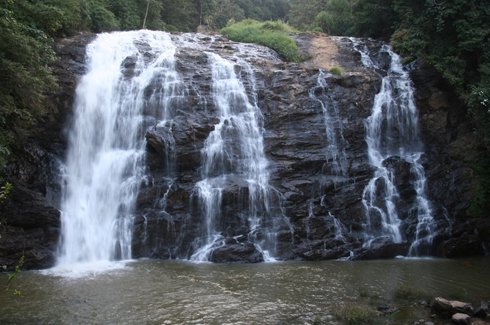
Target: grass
<point x="354" y="314"/>
<point x="273" y="34"/>
<point x="336" y="70"/>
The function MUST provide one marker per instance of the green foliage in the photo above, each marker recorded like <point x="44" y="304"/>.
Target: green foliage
<point x="479" y="103"/>
<point x="25" y="77"/>
<point x="336" y="18"/>
<point x="101" y="19"/>
<point x="264" y="9"/>
<point x="273" y="34"/>
<point x="11" y="276"/>
<point x="302" y="13"/>
<point x="337" y="70"/>
<point x="53" y="17"/>
<point x="374" y="18"/>
<point x="127" y="12"/>
<point x="5" y="191"/>
<point x="454" y="36"/>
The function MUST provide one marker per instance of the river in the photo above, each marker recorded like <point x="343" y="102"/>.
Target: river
<point x="178" y="292"/>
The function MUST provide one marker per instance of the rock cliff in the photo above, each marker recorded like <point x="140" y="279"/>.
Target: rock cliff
<point x="319" y="195"/>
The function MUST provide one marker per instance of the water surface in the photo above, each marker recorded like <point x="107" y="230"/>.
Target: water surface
<point x="174" y="292"/>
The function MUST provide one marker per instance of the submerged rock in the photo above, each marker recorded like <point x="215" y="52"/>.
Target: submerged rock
<point x="236" y="253"/>
<point x="382" y="251"/>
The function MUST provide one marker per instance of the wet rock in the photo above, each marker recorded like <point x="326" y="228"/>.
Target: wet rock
<point x="461" y="319"/>
<point x="382" y="251"/>
<point x="446" y="307"/>
<point x="326" y="254"/>
<point x="482" y="310"/>
<point x="464" y="245"/>
<point x="31" y="228"/>
<point x="161" y="140"/>
<point x="239" y="252"/>
<point x="387" y="309"/>
<point x="477" y="321"/>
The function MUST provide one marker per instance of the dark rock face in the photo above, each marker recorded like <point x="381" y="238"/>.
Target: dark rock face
<point x="450" y="155"/>
<point x="31" y="213"/>
<point x="32" y="230"/>
<point x="236" y="252"/>
<point x="323" y="212"/>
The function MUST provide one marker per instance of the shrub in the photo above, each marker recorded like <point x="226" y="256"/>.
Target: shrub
<point x="273" y="34"/>
<point x="336" y="70"/>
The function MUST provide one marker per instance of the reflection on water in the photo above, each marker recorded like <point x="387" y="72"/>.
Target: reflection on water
<point x="171" y="292"/>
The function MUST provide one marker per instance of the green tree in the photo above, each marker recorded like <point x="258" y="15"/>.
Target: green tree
<point x="127" y="12"/>
<point x="183" y="15"/>
<point x="25" y="77"/>
<point x="53" y="17"/>
<point x="101" y="18"/>
<point x="336" y="18"/>
<point x="302" y="13"/>
<point x="374" y="18"/>
<point x="454" y="36"/>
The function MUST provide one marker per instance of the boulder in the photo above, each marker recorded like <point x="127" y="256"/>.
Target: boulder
<point x="387" y="309"/>
<point x="463" y="245"/>
<point x="482" y="310"/>
<point x="447" y="308"/>
<point x="382" y="251"/>
<point x="236" y="253"/>
<point x="31" y="228"/>
<point x="461" y="319"/>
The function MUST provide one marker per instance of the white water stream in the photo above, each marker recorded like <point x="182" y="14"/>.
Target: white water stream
<point x="105" y="160"/>
<point x="392" y="133"/>
<point x="234" y="150"/>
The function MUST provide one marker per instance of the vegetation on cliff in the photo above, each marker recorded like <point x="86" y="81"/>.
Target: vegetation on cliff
<point x="273" y="34"/>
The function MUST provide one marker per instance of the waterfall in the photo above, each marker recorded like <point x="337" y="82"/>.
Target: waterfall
<point x="106" y="153"/>
<point x="135" y="98"/>
<point x="233" y="155"/>
<point x="363" y="51"/>
<point x="392" y="136"/>
<point x="336" y="164"/>
<point x="335" y="152"/>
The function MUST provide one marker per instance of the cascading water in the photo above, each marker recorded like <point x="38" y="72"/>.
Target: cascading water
<point x="105" y="160"/>
<point x="392" y="134"/>
<point x="234" y="153"/>
<point x="335" y="156"/>
<point x="336" y="165"/>
<point x="363" y="51"/>
<point x="426" y="226"/>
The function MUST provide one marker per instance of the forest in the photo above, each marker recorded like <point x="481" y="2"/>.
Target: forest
<point x="451" y="35"/>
